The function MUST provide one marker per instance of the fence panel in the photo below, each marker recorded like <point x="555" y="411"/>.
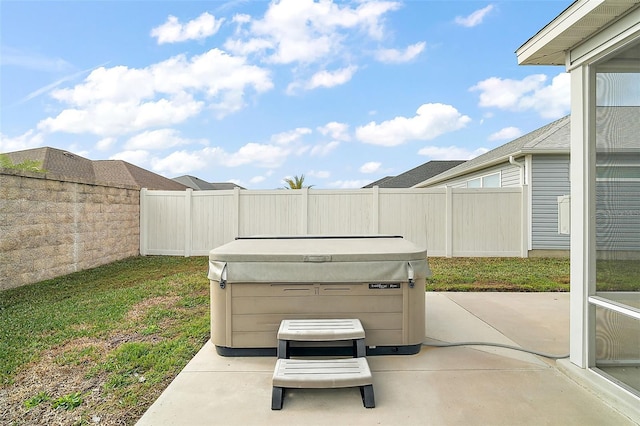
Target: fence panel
<point x="269" y="212"/>
<point x="447" y="221"/>
<point x="487" y="222"/>
<point x="162" y="222"/>
<point x="347" y="212"/>
<point x="417" y="214"/>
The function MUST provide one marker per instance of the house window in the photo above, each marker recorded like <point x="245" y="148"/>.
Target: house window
<point x="474" y="183"/>
<point x="488" y="181"/>
<point x="491" y="181"/>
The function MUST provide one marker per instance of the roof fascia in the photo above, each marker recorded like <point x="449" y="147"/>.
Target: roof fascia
<point x="622" y="31"/>
<point x="569" y="17"/>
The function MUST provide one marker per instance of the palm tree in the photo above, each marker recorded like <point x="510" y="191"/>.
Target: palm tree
<point x="295" y="183"/>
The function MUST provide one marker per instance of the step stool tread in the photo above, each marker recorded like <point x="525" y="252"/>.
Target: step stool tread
<point x="320" y="330"/>
<point x="322" y="373"/>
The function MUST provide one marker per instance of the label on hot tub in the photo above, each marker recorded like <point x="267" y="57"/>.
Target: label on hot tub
<point x="383" y="286"/>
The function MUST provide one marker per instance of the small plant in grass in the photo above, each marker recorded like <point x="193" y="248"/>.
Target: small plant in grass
<point x="69" y="402"/>
<point x="36" y="400"/>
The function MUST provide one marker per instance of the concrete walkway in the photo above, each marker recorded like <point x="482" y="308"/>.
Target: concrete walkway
<point x="439" y="386"/>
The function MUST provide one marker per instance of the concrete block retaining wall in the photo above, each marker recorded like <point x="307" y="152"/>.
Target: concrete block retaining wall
<point x="51" y="226"/>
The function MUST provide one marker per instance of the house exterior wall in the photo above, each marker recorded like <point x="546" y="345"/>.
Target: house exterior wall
<point x="51" y="227"/>
<point x="509" y="177"/>
<point x="549" y="179"/>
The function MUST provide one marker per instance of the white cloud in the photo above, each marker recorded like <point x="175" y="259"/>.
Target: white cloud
<point x="370" y="167"/>
<point x="550" y="101"/>
<point x="335" y="130"/>
<point x="508" y="133"/>
<point x="32" y="60"/>
<point x="109" y="118"/>
<point x="475" y="18"/>
<point x="286" y="138"/>
<point x="260" y="155"/>
<point x="322" y="150"/>
<point x="398" y="56"/>
<point x="105" y="144"/>
<point x="348" y="184"/>
<point x="257" y="179"/>
<point x="450" y="153"/>
<point x="320" y="174"/>
<point x="138" y="157"/>
<point x="181" y="162"/>
<point x="307" y="31"/>
<point x="200" y="28"/>
<point x="120" y="100"/>
<point x="156" y="140"/>
<point x="430" y="121"/>
<point x="29" y="139"/>
<point x="331" y="78"/>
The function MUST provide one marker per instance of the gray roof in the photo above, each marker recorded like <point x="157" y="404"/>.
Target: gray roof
<point x="552" y="138"/>
<point x="202" y="185"/>
<point x="555" y="138"/>
<point x="416" y="175"/>
<point x="67" y="165"/>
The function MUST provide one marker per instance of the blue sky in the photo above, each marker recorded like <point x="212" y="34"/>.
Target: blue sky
<point x="255" y="91"/>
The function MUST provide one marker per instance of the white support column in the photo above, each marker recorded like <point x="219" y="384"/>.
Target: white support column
<point x="582" y="215"/>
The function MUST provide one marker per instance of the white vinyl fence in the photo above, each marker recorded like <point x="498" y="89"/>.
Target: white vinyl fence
<point x="449" y="222"/>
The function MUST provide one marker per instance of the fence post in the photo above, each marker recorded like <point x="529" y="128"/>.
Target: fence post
<point x="375" y="217"/>
<point x="524" y="222"/>
<point x="303" y="227"/>
<point x="188" y="223"/>
<point x="448" y="219"/>
<point x="143" y="221"/>
<point x="236" y="214"/>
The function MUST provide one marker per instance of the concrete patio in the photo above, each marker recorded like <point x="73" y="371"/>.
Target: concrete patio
<point x="471" y="385"/>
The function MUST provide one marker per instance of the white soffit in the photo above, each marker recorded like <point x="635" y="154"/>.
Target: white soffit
<point x="579" y="22"/>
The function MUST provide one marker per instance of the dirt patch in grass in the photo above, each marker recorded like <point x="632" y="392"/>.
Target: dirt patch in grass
<point x="71" y="369"/>
<point x="52" y="378"/>
<point x="109" y="377"/>
<point x="140" y="310"/>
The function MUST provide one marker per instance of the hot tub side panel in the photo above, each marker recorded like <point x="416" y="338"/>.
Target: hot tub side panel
<point x="247" y="315"/>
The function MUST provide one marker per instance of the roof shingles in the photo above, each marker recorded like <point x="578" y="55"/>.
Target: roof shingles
<point x="115" y="172"/>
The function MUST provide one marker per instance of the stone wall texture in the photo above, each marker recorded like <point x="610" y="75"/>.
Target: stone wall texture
<point x="50" y="226"/>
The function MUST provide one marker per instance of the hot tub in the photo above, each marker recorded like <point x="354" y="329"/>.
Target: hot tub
<point x="256" y="282"/>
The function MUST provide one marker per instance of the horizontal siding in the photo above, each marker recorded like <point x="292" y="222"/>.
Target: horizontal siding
<point x="549" y="179"/>
<point x="510" y="176"/>
<point x="618" y="215"/>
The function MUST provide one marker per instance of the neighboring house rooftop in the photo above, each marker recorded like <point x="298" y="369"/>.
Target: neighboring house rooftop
<point x="202" y="185"/>
<point x="416" y="175"/>
<point x="119" y="172"/>
<point x="552" y="138"/>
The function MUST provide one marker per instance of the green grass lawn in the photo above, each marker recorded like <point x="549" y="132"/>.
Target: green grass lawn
<point x="101" y="345"/>
<point x="498" y="274"/>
